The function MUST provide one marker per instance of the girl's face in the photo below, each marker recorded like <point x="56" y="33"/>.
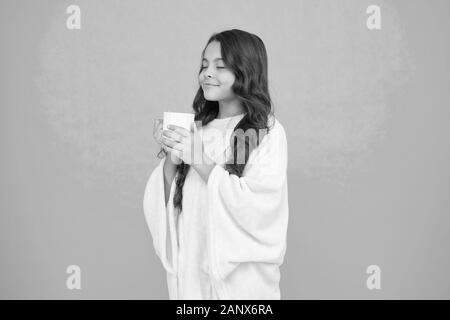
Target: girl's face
<point x="215" y="78"/>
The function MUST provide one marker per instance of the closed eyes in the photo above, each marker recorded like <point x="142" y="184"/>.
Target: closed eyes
<point x="203" y="67"/>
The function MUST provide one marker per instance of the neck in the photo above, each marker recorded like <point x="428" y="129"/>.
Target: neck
<point x="230" y="108"/>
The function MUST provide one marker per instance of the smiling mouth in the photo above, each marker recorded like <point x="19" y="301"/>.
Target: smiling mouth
<point x="211" y="85"/>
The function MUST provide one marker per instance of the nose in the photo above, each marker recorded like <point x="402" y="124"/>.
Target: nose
<point x="208" y="72"/>
<point x="208" y="75"/>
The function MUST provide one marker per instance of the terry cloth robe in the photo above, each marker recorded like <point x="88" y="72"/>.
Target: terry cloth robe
<point x="230" y="239"/>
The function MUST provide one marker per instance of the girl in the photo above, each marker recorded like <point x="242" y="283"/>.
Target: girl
<point x="220" y="228"/>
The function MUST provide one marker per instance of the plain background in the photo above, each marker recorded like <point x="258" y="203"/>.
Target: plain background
<point x="365" y="112"/>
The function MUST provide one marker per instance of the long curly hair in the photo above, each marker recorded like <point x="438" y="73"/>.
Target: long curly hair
<point x="245" y="55"/>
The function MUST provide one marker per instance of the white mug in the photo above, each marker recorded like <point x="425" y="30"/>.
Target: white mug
<point x="179" y="119"/>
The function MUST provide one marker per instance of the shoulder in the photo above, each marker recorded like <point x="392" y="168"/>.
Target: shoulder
<point x="274" y="141"/>
<point x="280" y="128"/>
<point x="276" y="133"/>
<point x="271" y="154"/>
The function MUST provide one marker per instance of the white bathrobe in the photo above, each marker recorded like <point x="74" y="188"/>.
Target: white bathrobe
<point x="230" y="239"/>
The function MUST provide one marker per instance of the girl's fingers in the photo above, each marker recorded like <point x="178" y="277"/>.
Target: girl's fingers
<point x="172" y="135"/>
<point x="169" y="142"/>
<point x="172" y="144"/>
<point x="180" y="130"/>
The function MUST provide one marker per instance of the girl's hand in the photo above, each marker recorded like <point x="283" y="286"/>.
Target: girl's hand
<point x="183" y="144"/>
<point x="157" y="136"/>
<point x="157" y="130"/>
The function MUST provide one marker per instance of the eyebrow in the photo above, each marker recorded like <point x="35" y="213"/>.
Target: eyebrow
<point x="213" y="60"/>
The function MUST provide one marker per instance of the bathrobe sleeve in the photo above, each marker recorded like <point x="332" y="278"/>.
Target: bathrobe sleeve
<point x="160" y="219"/>
<point x="248" y="215"/>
